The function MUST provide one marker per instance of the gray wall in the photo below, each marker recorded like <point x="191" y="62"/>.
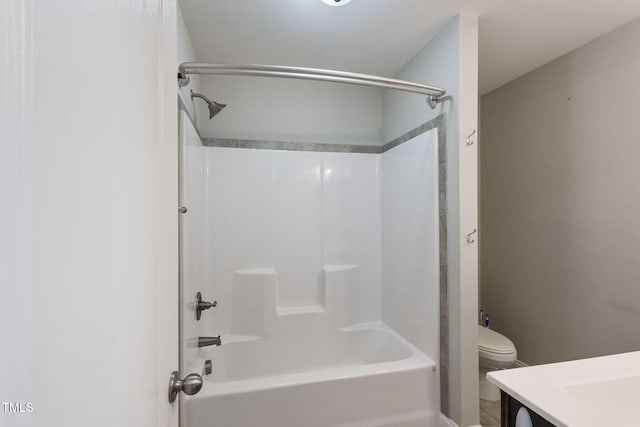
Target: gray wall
<point x="560" y="203"/>
<point x="292" y="110"/>
<point x="186" y="54"/>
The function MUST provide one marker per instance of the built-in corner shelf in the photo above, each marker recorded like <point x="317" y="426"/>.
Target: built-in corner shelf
<point x="256" y="272"/>
<point x="255" y="301"/>
<point x="302" y="309"/>
<point x="332" y="268"/>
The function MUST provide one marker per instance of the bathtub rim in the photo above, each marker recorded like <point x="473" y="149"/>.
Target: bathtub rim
<point x="415" y="362"/>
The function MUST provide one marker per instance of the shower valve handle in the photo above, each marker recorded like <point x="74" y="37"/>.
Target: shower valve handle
<point x="203" y="305"/>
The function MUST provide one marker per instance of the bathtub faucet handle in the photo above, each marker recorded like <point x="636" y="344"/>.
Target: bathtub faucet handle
<point x="203" y="305"/>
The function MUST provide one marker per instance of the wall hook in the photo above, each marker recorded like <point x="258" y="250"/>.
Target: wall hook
<point x="469" y="140"/>
<point x="470" y="238"/>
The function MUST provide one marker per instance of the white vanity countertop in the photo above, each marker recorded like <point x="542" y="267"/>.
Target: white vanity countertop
<point x="602" y="391"/>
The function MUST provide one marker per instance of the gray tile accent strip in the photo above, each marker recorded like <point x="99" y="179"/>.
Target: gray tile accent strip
<point x="440" y="122"/>
<point x="436" y="122"/>
<point x="291" y="146"/>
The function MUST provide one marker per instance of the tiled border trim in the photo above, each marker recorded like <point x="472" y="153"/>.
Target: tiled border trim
<point x="291" y="146"/>
<point x="438" y="122"/>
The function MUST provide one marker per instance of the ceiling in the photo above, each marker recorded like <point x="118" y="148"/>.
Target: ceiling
<point x="380" y="36"/>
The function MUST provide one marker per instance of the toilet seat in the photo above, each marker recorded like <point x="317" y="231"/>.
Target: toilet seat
<point x="495" y="347"/>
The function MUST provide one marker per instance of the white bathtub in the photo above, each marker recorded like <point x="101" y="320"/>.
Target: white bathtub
<point x="362" y="376"/>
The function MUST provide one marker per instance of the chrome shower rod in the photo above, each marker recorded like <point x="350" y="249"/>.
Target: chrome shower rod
<point x="433" y="93"/>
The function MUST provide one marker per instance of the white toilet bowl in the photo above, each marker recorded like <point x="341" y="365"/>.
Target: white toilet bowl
<point x="495" y="352"/>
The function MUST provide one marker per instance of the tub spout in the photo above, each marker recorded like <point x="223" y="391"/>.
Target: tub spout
<point x="207" y="341"/>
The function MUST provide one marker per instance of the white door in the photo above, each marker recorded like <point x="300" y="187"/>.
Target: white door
<point x="88" y="221"/>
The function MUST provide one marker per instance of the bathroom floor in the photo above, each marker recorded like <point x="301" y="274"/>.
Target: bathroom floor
<point x="489" y="413"/>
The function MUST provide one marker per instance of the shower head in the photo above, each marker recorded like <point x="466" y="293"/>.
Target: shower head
<point x="214" y="107"/>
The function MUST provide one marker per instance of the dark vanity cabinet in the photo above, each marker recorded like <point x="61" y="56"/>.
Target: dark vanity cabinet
<point x="511" y="409"/>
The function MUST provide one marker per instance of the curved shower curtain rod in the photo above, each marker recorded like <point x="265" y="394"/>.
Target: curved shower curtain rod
<point x="434" y="93"/>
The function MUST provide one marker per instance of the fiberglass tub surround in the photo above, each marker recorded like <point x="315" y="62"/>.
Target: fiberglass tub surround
<point x="325" y="269"/>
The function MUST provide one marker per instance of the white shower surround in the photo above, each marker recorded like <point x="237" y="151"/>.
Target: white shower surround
<point x="325" y="268"/>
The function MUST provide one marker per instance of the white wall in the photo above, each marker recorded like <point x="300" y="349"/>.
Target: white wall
<point x="292" y="110"/>
<point x="88" y="232"/>
<point x="410" y="262"/>
<point x="560" y="199"/>
<point x="464" y="298"/>
<point x="450" y="61"/>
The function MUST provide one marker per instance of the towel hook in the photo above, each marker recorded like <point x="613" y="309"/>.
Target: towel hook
<point x="470" y="238"/>
<point x="469" y="141"/>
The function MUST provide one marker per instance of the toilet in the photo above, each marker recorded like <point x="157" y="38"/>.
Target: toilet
<point x="495" y="352"/>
